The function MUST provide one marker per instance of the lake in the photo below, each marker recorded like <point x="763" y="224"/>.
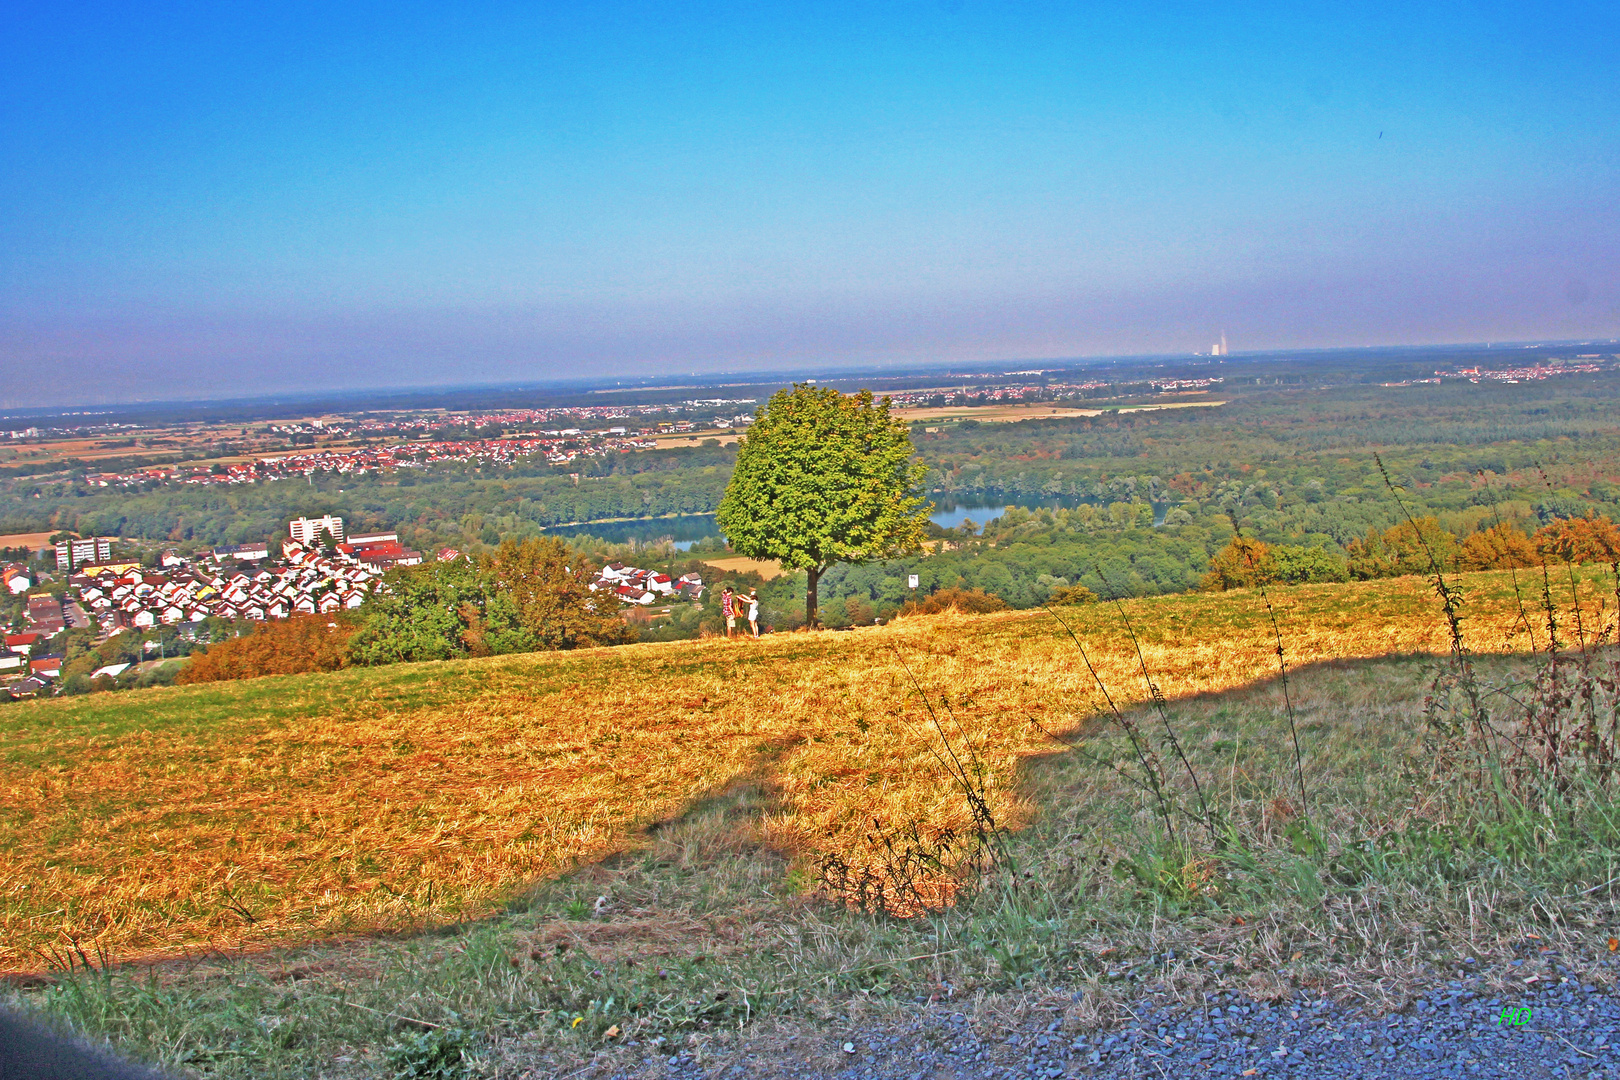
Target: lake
<point x="948" y="515"/>
<point x="684" y="529"/>
<point x="687" y="529"/>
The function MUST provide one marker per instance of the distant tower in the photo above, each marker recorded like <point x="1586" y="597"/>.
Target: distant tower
<point x="1219" y="348"/>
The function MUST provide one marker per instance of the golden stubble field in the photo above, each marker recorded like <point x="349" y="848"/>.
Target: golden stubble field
<point x="231" y="816"/>
<point x="1013" y="412"/>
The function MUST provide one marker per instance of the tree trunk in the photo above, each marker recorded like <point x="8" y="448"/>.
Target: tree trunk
<point x="810" y="599"/>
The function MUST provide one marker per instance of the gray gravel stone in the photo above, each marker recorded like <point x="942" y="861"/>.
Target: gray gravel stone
<point x="1451" y="1031"/>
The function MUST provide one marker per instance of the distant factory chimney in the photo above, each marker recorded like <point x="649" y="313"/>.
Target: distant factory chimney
<point x="1219" y="348"/>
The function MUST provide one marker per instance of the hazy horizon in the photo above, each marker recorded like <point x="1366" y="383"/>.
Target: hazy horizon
<point x="358" y="199"/>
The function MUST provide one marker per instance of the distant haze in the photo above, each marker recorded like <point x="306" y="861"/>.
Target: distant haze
<point x="199" y="203"/>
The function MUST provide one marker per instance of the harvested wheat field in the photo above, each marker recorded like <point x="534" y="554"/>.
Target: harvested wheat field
<point x="239" y="815"/>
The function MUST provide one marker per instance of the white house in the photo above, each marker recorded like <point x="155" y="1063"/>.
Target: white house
<point x="17" y="580"/>
<point x="632" y="594"/>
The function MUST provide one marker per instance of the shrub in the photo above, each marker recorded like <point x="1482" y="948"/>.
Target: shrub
<point x="291" y="647"/>
<point x="1072" y="594"/>
<point x="858" y="612"/>
<point x="963" y="601"/>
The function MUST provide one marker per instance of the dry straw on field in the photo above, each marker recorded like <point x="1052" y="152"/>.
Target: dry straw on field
<point x="239" y="815"/>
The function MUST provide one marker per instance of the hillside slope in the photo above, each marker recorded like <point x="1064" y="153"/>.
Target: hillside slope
<point x="289" y="808"/>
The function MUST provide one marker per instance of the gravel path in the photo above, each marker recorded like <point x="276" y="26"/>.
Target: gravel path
<point x="1557" y="1027"/>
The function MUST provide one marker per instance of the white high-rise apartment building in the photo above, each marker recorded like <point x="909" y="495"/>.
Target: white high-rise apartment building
<point x="308" y="530"/>
<point x="72" y="554"/>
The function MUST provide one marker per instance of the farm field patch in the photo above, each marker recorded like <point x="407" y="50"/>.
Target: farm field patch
<point x="1011" y="413"/>
<point x="37" y="541"/>
<point x="741" y="564"/>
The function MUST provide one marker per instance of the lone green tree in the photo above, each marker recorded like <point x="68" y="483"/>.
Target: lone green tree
<point x="824" y="478"/>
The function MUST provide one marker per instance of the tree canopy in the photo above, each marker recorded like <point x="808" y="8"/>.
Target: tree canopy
<point x="529" y="595"/>
<point x="824" y="478"/>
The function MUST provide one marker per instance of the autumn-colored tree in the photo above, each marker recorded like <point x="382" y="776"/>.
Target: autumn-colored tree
<point x="1243" y="563"/>
<point x="1503" y="546"/>
<point x="1412" y="547"/>
<point x="291" y="647"/>
<point x="548" y="585"/>
<point x="1580" y="540"/>
<point x="1188" y="485"/>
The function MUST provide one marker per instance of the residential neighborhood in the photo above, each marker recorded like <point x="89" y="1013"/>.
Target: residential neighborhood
<point x="633" y="585"/>
<point x="319" y="569"/>
<point x="243" y="582"/>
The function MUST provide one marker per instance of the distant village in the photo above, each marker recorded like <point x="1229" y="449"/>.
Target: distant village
<point x="318" y="570"/>
<point x="556" y="447"/>
<point x="1581" y="365"/>
<point x="559" y="449"/>
<point x="521" y="418"/>
<point x="507" y="443"/>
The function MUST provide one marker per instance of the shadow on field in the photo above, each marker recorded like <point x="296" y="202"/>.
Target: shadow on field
<point x="721" y="828"/>
<point x="699" y="930"/>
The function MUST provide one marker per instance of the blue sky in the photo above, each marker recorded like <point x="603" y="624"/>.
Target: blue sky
<point x="202" y="199"/>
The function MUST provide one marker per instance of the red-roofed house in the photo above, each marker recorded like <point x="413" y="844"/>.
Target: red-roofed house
<point x="632" y="594"/>
<point x="49" y="667"/>
<point x="22" y="644"/>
